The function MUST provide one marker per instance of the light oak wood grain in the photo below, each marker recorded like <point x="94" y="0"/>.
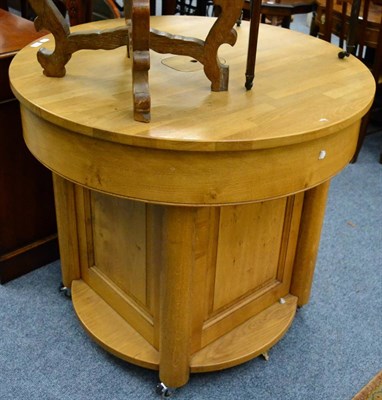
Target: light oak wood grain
<point x="247" y="341"/>
<point x="258" y="289"/>
<point x="245" y="258"/>
<point x="190" y="177"/>
<point x="127" y="242"/>
<point x="175" y="298"/>
<point x="108" y="329"/>
<point x="64" y="196"/>
<point x="314" y="95"/>
<point x="308" y="242"/>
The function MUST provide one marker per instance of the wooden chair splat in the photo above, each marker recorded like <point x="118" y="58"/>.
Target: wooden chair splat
<point x="138" y="22"/>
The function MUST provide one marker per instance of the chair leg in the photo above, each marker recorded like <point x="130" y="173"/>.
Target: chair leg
<point x="361" y="137"/>
<point x="314" y="28"/>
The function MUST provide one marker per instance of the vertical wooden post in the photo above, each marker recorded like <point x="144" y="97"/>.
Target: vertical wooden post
<point x="313" y="213"/>
<point x="328" y="26"/>
<point x="168" y="7"/>
<point x="175" y="287"/>
<point x="64" y="197"/>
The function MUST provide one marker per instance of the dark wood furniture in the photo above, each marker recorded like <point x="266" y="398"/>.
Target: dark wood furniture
<point x="366" y="44"/>
<point x="24" y="9"/>
<point x="186" y="7"/>
<point x="280" y="12"/>
<point x="28" y="236"/>
<point x="358" y="26"/>
<point x="81" y="11"/>
<point x="334" y="17"/>
<point x="377" y="67"/>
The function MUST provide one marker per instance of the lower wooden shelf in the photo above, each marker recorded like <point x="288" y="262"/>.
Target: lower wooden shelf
<point x="109" y="329"/>
<point x="248" y="340"/>
<point x="243" y="343"/>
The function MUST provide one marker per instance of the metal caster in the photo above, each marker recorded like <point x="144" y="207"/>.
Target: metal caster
<point x="266" y="355"/>
<point x="343" y="54"/>
<point x="65" y="291"/>
<point x="164" y="391"/>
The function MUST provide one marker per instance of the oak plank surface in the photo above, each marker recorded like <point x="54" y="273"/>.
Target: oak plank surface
<point x="314" y="85"/>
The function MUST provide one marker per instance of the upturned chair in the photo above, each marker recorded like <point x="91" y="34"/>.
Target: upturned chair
<point x="139" y="39"/>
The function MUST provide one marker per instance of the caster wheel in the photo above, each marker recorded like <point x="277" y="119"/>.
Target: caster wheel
<point x="164" y="391"/>
<point x="65" y="291"/>
<point x="342" y="54"/>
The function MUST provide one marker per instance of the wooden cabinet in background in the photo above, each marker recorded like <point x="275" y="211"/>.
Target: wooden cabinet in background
<point x="28" y="237"/>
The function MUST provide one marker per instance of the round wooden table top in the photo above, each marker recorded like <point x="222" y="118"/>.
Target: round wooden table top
<point x="302" y="91"/>
<point x="294" y="130"/>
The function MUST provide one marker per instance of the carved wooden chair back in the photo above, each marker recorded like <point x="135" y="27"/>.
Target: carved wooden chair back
<point x="139" y="37"/>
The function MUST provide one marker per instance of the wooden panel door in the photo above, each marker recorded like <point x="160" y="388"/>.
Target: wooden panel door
<point x="251" y="265"/>
<point x="117" y="241"/>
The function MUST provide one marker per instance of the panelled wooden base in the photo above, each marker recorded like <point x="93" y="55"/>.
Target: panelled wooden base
<point x="247" y="341"/>
<point x="181" y="289"/>
<point x="187" y="289"/>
